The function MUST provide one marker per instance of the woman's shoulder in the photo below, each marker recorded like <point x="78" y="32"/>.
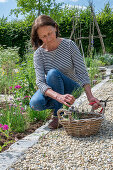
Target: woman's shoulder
<point x="68" y="41"/>
<point x="38" y="51"/>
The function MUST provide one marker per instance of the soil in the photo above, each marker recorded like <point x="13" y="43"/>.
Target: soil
<point x="15" y="136"/>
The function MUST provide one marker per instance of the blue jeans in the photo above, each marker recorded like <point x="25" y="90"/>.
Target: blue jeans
<point x="59" y="83"/>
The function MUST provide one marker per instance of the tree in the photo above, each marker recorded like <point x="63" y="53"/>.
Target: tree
<point x="32" y="9"/>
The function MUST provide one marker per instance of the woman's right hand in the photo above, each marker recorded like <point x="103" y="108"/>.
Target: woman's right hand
<point x="66" y="99"/>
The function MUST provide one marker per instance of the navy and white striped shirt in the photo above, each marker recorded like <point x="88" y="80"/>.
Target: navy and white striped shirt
<point x="66" y="58"/>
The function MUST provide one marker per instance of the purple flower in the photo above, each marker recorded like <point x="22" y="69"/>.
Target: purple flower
<point x="15" y="105"/>
<point x="18" y="87"/>
<point x="5" y="127"/>
<point x="1" y="125"/>
<point x="11" y="98"/>
<point x="20" y="103"/>
<point x="18" y="98"/>
<point x="10" y="87"/>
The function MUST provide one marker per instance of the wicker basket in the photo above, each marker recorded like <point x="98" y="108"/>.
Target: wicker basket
<point x="88" y="124"/>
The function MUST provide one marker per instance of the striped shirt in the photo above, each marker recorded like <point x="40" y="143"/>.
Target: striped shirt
<point x="66" y="58"/>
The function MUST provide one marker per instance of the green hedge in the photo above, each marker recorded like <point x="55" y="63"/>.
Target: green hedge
<point x="15" y="33"/>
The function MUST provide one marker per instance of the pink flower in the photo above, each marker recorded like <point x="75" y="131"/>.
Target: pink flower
<point x="22" y="108"/>
<point x="10" y="87"/>
<point x="18" y="87"/>
<point x="27" y="97"/>
<point x="1" y="125"/>
<point x="5" y="127"/>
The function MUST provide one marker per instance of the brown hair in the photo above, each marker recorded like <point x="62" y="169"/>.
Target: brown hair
<point x="42" y="20"/>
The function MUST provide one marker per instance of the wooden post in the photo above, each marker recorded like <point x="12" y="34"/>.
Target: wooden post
<point x="98" y="29"/>
<point x="73" y="28"/>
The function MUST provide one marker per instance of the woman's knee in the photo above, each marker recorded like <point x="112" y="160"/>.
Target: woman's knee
<point x="52" y="74"/>
<point x="36" y="104"/>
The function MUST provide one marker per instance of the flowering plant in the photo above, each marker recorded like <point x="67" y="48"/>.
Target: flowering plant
<point x="17" y="87"/>
<point x="4" y="130"/>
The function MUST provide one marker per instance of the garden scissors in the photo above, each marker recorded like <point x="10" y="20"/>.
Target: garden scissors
<point x="103" y="103"/>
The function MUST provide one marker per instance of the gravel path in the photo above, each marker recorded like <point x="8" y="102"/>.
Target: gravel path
<point x="58" y="151"/>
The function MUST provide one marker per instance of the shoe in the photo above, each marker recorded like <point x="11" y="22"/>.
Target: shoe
<point x="54" y="124"/>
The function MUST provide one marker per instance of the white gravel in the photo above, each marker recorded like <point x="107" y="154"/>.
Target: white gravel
<point x="58" y="151"/>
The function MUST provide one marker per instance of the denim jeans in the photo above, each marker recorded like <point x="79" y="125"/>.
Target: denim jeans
<point x="59" y="83"/>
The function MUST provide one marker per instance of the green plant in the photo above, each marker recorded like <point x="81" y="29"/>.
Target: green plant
<point x="8" y="60"/>
<point x="107" y="59"/>
<point x="76" y="93"/>
<point x="12" y="114"/>
<point x="37" y="115"/>
<point x="26" y="75"/>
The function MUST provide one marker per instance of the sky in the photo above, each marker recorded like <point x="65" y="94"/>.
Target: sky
<point x="7" y="5"/>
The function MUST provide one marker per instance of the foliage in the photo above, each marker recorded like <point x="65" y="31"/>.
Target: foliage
<point x="93" y="64"/>
<point x="16" y="113"/>
<point x="100" y="60"/>
<point x="13" y="73"/>
<point x="105" y="21"/>
<point x="93" y="70"/>
<point x="8" y="59"/>
<point x="12" y="115"/>
<point x="32" y="9"/>
<point x="106" y="59"/>
<point x="65" y="24"/>
<point x="14" y="34"/>
<point x="37" y="115"/>
<point x="26" y="76"/>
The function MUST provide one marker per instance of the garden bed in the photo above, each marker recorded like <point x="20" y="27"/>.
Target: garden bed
<point x="15" y="136"/>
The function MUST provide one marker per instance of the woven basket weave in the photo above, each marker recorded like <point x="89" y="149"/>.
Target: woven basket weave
<point x="88" y="124"/>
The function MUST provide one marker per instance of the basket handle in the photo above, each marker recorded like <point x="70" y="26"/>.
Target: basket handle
<point x="66" y="112"/>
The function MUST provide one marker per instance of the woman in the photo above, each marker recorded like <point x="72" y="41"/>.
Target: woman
<point x="59" y="69"/>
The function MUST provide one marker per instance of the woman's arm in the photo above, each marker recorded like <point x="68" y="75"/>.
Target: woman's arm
<point x="90" y="96"/>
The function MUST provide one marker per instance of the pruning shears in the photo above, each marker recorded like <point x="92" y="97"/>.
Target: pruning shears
<point x="103" y="103"/>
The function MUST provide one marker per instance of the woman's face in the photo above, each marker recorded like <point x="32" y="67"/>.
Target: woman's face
<point x="47" y="34"/>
